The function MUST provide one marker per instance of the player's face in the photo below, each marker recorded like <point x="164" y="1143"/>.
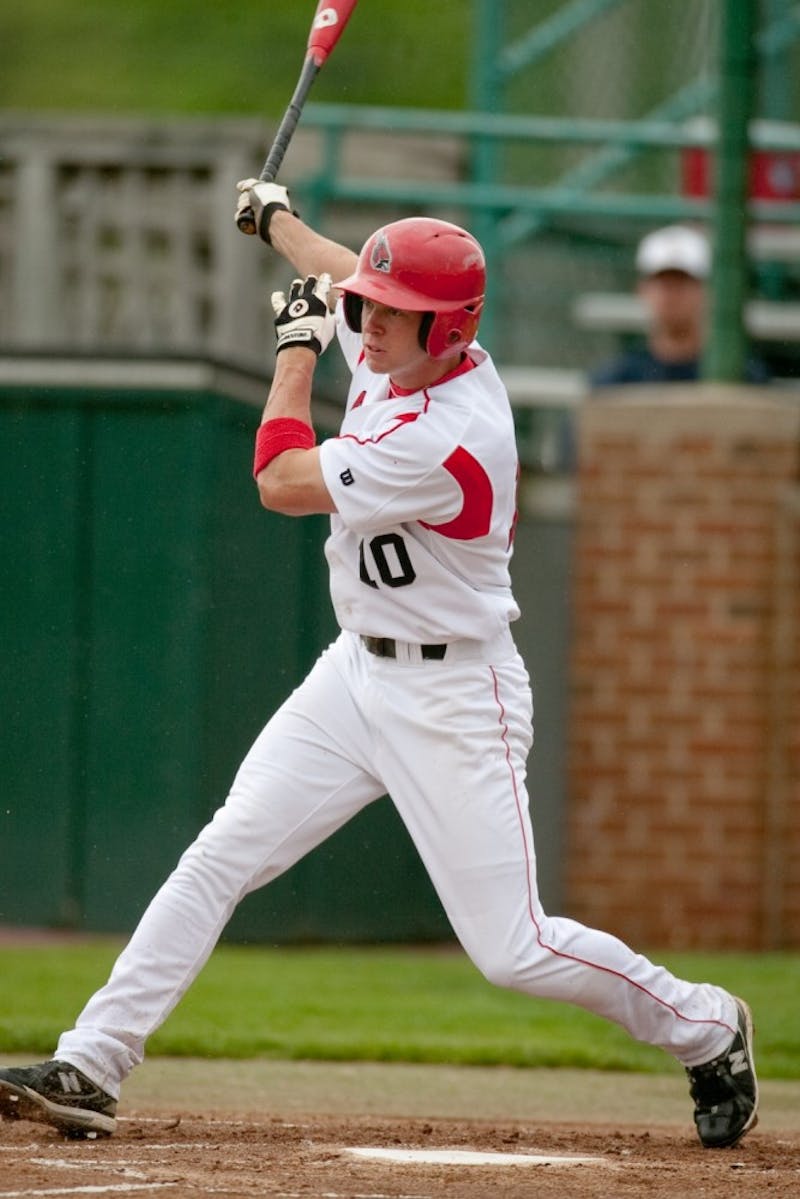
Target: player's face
<point x="390" y="339"/>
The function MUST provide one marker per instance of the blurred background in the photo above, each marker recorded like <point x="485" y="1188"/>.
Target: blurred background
<point x="560" y="130"/>
<point x="153" y="617"/>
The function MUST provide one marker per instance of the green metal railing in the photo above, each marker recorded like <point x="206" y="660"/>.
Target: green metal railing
<point x="725" y="354"/>
<point x="618" y="138"/>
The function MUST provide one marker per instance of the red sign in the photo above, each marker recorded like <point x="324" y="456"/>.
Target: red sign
<point x="774" y="174"/>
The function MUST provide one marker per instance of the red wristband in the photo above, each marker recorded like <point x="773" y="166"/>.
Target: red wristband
<point x="275" y="436"/>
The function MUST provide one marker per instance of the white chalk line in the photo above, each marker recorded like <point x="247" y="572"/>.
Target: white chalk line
<point x="124" y="1166"/>
<point x="168" y="1120"/>
<point x="122" y="1187"/>
<point x="162" y="1147"/>
<point x="114" y="1167"/>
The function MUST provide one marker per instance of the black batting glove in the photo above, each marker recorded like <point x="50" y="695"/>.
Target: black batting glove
<point x="305" y="318"/>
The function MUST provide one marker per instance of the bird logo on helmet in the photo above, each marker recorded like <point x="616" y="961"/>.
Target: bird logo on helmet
<point x="422" y="265"/>
<point x="381" y="256"/>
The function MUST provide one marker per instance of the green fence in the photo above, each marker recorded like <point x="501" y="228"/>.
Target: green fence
<point x="153" y="617"/>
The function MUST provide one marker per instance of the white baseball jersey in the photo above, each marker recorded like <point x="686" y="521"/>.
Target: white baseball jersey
<point x="425" y="487"/>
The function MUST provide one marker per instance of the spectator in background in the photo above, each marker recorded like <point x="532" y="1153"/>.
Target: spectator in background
<point x="673" y="265"/>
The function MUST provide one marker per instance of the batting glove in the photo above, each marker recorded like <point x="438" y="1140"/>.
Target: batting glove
<point x="305" y="319"/>
<point x="263" y="199"/>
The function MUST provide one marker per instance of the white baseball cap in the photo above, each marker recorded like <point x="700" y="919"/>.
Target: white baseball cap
<point x="674" y="248"/>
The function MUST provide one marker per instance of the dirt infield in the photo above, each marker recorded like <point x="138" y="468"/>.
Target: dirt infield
<point x="287" y="1130"/>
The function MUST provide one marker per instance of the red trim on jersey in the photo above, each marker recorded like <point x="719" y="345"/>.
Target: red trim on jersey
<point x="512" y="532"/>
<point x="402" y="418"/>
<point x="466" y="364"/>
<point x="475" y="518"/>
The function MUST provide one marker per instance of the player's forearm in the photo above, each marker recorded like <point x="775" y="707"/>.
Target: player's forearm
<point x="290" y="393"/>
<point x="307" y="251"/>
<point x="292" y="483"/>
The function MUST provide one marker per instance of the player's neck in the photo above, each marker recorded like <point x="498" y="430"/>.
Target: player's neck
<point x="424" y="374"/>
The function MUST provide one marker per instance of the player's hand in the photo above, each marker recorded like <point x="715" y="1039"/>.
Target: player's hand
<point x="264" y="199"/>
<point x="305" y="318"/>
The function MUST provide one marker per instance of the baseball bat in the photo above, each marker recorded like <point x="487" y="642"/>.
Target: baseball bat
<point x="327" y="27"/>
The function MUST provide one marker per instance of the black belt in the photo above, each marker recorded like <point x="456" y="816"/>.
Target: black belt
<point x="386" y="647"/>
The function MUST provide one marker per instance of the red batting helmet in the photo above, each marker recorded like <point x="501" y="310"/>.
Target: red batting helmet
<point x="422" y="265"/>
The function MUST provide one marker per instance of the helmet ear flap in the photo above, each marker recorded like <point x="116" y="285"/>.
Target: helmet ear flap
<point x="452" y="332"/>
<point x="352" y="305"/>
<point x="425" y="326"/>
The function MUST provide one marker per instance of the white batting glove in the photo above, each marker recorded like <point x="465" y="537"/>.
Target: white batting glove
<point x="263" y="199"/>
<point x="305" y="318"/>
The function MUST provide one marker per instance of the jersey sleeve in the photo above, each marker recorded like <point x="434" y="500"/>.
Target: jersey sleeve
<point x="394" y="474"/>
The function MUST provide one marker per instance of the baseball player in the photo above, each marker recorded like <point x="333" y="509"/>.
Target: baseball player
<point x="422" y="695"/>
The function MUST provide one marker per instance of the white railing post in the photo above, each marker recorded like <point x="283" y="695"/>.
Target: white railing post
<point x="36" y="283"/>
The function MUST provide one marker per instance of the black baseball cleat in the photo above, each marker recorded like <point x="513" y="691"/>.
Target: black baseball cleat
<point x="59" y="1094"/>
<point x="725" y="1090"/>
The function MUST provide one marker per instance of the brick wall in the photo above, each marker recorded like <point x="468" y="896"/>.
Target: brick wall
<point x="684" y="781"/>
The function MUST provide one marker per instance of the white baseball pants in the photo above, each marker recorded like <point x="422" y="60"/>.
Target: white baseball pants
<point x="448" y="740"/>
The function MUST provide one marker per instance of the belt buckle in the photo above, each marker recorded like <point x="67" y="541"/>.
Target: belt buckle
<point x="386" y="647"/>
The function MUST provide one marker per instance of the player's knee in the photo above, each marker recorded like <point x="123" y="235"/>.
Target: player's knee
<point x="498" y="968"/>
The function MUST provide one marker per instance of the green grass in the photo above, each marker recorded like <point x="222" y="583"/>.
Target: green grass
<point x="214" y="56"/>
<point x="380" y="1004"/>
